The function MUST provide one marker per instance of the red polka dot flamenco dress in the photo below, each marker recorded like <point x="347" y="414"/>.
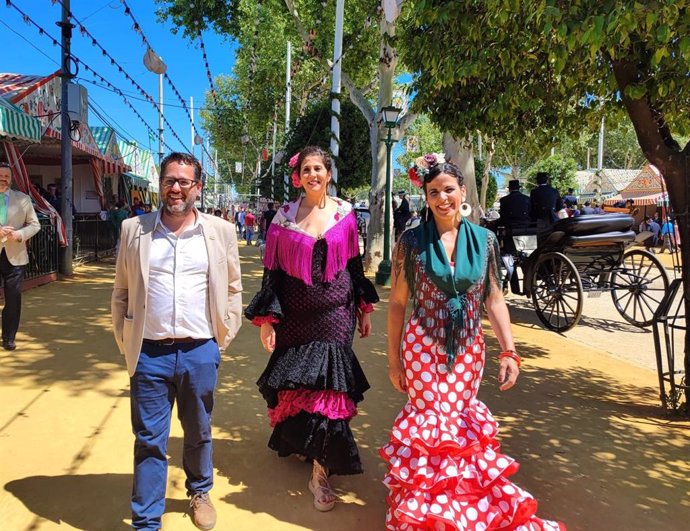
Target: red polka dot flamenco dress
<point x="445" y="470"/>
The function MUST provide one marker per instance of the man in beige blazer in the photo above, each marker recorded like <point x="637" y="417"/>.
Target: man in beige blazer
<point x="18" y="223"/>
<point x="176" y="305"/>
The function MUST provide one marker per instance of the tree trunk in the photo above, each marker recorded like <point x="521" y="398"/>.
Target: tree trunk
<point x="460" y="153"/>
<point x="388" y="60"/>
<point x="663" y="151"/>
<point x="485" y="175"/>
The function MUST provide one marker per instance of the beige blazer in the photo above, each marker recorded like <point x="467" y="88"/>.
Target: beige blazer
<point x="129" y="297"/>
<point x="21" y="216"/>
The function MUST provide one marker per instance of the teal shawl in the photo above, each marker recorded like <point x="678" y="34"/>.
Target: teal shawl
<point x="470" y="262"/>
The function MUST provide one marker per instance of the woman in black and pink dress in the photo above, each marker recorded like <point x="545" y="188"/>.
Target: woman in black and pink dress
<point x="445" y="468"/>
<point x="313" y="294"/>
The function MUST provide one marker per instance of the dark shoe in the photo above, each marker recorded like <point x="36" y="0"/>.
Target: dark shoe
<point x="203" y="511"/>
<point x="9" y="345"/>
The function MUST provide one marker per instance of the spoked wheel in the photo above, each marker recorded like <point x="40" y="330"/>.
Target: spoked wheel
<point x="557" y="292"/>
<point x="639" y="284"/>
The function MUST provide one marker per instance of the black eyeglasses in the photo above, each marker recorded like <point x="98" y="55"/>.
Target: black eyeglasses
<point x="169" y="182"/>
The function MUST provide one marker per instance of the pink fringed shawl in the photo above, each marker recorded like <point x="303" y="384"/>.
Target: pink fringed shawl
<point x="291" y="249"/>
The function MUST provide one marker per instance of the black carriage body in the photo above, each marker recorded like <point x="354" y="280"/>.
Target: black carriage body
<point x="588" y="254"/>
<point x="594" y="244"/>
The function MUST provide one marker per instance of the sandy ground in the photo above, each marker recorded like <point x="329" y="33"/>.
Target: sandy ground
<point x="595" y="448"/>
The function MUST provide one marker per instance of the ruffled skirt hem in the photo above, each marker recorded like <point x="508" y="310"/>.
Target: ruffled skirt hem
<point x="316" y="366"/>
<point x="328" y="441"/>
<point x="445" y="473"/>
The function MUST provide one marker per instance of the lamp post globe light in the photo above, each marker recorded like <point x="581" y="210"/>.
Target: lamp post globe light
<point x="390" y="116"/>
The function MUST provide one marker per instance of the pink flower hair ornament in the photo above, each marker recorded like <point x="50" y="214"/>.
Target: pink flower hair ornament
<point x="421" y="167"/>
<point x="296" y="182"/>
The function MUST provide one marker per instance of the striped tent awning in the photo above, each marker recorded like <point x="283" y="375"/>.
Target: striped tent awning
<point x="15" y="124"/>
<point x="640" y="200"/>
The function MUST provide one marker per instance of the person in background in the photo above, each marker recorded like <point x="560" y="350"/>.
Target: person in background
<point x="570" y="198"/>
<point x="514" y="214"/>
<point x="137" y="207"/>
<point x="18" y="223"/>
<point x="218" y="213"/>
<point x="116" y="216"/>
<point x="668" y="235"/>
<point x="176" y="305"/>
<point x="649" y="225"/>
<point x="266" y="220"/>
<point x="249" y="222"/>
<point x="546" y="202"/>
<point x="401" y="214"/>
<point x="587" y="209"/>
<point x="239" y="222"/>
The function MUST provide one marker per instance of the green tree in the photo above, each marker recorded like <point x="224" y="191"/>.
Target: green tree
<point x="420" y="138"/>
<point x="492" y="191"/>
<point x="552" y="68"/>
<point x="561" y="172"/>
<point x="621" y="149"/>
<point x="314" y="129"/>
<point x="263" y="27"/>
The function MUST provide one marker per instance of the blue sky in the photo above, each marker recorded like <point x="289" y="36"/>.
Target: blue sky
<point x="25" y="51"/>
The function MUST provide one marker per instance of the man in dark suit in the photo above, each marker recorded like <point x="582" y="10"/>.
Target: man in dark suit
<point x="514" y="213"/>
<point x="18" y="223"/>
<point x="401" y="215"/>
<point x="546" y="202"/>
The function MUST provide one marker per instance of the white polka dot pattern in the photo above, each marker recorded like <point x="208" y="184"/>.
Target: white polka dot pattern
<point x="444" y="469"/>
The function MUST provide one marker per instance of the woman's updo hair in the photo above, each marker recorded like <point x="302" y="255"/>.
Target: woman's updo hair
<point x="314" y="151"/>
<point x="443" y="167"/>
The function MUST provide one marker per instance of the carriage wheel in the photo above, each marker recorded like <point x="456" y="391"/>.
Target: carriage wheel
<point x="639" y="284"/>
<point x="557" y="292"/>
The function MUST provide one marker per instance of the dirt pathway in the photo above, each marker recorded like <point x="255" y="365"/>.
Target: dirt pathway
<point x="586" y="427"/>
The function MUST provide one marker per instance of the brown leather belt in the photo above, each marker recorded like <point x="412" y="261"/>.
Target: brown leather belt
<point x="169" y="341"/>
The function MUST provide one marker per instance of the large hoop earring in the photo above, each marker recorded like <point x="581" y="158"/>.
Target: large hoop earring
<point x="465" y="210"/>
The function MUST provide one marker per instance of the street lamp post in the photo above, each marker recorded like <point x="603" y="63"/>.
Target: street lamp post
<point x="390" y="117"/>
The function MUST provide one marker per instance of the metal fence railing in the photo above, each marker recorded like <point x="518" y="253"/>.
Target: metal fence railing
<point x="92" y="238"/>
<point x="43" y="251"/>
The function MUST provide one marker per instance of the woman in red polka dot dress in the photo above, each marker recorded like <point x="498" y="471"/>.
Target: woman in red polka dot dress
<point x="445" y="471"/>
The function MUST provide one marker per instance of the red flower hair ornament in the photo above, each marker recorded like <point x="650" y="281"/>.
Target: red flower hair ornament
<point x="421" y="167"/>
<point x="295" y="174"/>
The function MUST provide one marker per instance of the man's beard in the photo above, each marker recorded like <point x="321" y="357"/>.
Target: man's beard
<point x="180" y="209"/>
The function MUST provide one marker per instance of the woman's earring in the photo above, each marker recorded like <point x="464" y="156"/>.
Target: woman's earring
<point x="465" y="210"/>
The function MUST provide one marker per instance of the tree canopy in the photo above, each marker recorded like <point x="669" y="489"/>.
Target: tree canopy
<point x="550" y="67"/>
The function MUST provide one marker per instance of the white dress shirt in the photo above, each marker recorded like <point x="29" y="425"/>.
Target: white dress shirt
<point x="178" y="303"/>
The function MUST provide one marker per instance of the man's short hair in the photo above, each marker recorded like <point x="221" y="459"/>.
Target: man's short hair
<point x="182" y="158"/>
<point x="542" y="177"/>
<point x="269" y="206"/>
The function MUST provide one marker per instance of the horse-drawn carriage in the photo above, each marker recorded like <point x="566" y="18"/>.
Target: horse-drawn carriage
<point x="586" y="254"/>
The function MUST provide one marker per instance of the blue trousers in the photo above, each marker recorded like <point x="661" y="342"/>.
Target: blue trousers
<point x="186" y="373"/>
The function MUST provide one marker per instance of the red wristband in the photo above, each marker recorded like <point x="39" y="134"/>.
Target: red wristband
<point x="365" y="307"/>
<point x="512" y="355"/>
<point x="261" y="319"/>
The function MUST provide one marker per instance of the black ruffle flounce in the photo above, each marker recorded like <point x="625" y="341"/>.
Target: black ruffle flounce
<point x="314" y="366"/>
<point x="263" y="304"/>
<point x="329" y="442"/>
<point x="365" y="291"/>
